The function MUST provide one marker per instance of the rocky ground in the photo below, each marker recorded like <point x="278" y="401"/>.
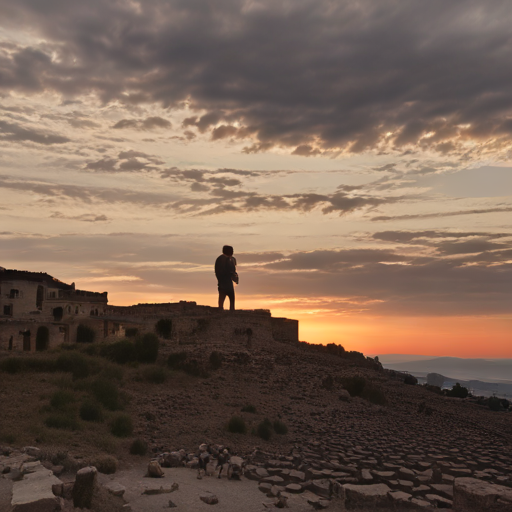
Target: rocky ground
<point x="405" y="453"/>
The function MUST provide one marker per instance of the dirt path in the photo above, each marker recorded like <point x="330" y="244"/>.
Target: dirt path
<point x="234" y="496"/>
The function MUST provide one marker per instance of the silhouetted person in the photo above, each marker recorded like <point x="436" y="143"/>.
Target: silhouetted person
<point x="225" y="270"/>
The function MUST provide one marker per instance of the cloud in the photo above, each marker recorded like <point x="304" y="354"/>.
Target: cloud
<point x="444" y="214"/>
<point x="126" y="161"/>
<point x="150" y="123"/>
<point x="86" y="217"/>
<point x="416" y="237"/>
<point x="11" y="132"/>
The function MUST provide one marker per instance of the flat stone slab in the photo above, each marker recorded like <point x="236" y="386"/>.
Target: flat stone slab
<point x="473" y="495"/>
<point x="34" y="493"/>
<point x="374" y="495"/>
<point x="158" y="488"/>
<point x="115" y="488"/>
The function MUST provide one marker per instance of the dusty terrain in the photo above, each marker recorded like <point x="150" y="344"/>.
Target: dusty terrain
<point x="422" y="440"/>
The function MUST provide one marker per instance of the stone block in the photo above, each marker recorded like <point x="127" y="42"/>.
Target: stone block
<point x="85" y="484"/>
<point x="34" y="493"/>
<point x="369" y="496"/>
<point x="472" y="495"/>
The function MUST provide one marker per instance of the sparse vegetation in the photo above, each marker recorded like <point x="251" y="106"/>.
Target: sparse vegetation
<point x="457" y="391"/>
<point x="146" y="348"/>
<point x="249" y="408"/>
<point x="237" y="425"/>
<point x="154" y="374"/>
<point x="216" y="359"/>
<point x="494" y="404"/>
<point x="75" y="363"/>
<point x="121" y="425"/>
<point x="131" y="332"/>
<point x="106" y="392"/>
<point x="410" y="379"/>
<point x="359" y="386"/>
<point x="121" y="352"/>
<point x="174" y="360"/>
<point x="264" y="429"/>
<point x="91" y="411"/>
<point x="11" y="365"/>
<point x="105" y="464"/>
<point x="85" y="334"/>
<point x="280" y="428"/>
<point x="65" y="421"/>
<point x="164" y="328"/>
<point x="328" y="383"/>
<point x="139" y="447"/>
<point x="62" y="399"/>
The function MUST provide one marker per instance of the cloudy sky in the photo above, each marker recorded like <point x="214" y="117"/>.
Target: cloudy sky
<point x="357" y="155"/>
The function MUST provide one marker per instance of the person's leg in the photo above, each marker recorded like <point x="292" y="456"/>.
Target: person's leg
<point x="222" y="298"/>
<point x="231" y="296"/>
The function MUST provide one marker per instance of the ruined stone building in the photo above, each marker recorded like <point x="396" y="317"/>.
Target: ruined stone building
<point x="37" y="311"/>
<point x="35" y="302"/>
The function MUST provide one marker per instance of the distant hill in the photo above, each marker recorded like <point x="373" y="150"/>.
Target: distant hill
<point x="488" y="370"/>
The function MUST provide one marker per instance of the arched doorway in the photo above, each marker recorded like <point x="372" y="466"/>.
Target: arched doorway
<point x="57" y="314"/>
<point x="26" y="341"/>
<point x="42" y="338"/>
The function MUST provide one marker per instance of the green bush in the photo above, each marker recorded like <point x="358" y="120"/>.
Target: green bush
<point x="139" y="447"/>
<point x="249" y="408"/>
<point x="354" y="385"/>
<point x="75" y="363"/>
<point x="280" y="428"/>
<point x="91" y="411"/>
<point x="11" y="365"/>
<point x="155" y="374"/>
<point x="40" y="364"/>
<point x="216" y="359"/>
<point x="264" y="429"/>
<point x="105" y="464"/>
<point x="458" y="391"/>
<point x="164" y="328"/>
<point x="62" y="421"/>
<point x="85" y="334"/>
<point x="146" y="348"/>
<point x="174" y="360"/>
<point x="121" y="352"/>
<point x="106" y="392"/>
<point x="131" y="332"/>
<point x="121" y="425"/>
<point x="237" y="425"/>
<point x="61" y="399"/>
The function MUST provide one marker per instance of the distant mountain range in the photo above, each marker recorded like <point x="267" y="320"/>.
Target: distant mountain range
<point x="487" y="370"/>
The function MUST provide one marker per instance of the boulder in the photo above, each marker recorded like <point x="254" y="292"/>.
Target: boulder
<point x="85" y="484"/>
<point x="115" y="488"/>
<point x="370" y="496"/>
<point x="155" y="470"/>
<point x="294" y="488"/>
<point x="209" y="499"/>
<point x="470" y="494"/>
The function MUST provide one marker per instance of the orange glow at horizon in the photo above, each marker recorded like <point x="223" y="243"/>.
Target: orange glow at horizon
<point x="467" y="337"/>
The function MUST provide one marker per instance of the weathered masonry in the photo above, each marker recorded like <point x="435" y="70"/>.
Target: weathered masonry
<point x="37" y="311"/>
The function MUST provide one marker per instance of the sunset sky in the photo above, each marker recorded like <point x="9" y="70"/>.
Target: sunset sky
<point x="356" y="154"/>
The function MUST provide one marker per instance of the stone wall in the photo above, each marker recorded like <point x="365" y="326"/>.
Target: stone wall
<point x="20" y="336"/>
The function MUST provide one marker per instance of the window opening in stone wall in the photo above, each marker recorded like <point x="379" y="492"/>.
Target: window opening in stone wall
<point x="8" y="310"/>
<point x="14" y="294"/>
<point x="69" y="309"/>
<point x="52" y="295"/>
<point x="76" y="310"/>
<point x="57" y="314"/>
<point x="39" y="297"/>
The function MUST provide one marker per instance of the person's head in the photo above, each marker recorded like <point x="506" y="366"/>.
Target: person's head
<point x="227" y="250"/>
